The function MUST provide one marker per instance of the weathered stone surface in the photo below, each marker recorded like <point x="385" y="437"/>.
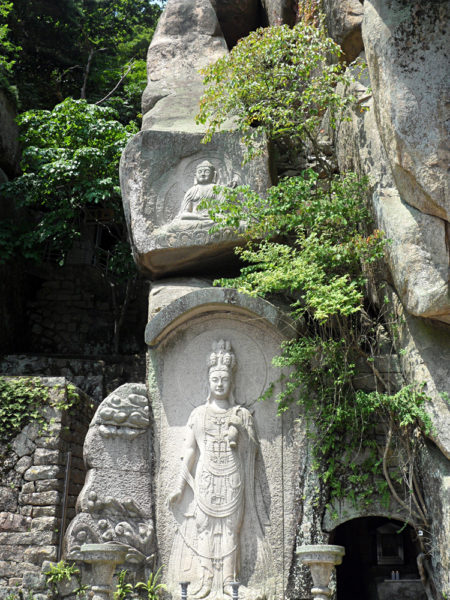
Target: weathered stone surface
<point x="51" y="440"/>
<point x="417" y="254"/>
<point x="435" y="472"/>
<point x="183" y="305"/>
<point x="34" y="581"/>
<point x="417" y="257"/>
<point x="280" y="11"/>
<point x="184" y="351"/>
<point x="425" y="359"/>
<point x="41" y="498"/>
<point x="159" y="172"/>
<point x="28" y="488"/>
<point x="32" y="430"/>
<point x="162" y="293"/>
<point x="114" y="452"/>
<point x="105" y="490"/>
<point x="43" y="472"/>
<point x="22" y="445"/>
<point x="8" y="499"/>
<point x="46" y="511"/>
<point x="115" y="504"/>
<point x="23" y="464"/>
<point x="12" y="553"/>
<point x="13" y="522"/>
<point x="343" y="20"/>
<point x="123" y="417"/>
<point x="46" y="485"/>
<point x="36" y="555"/>
<point x="44" y="456"/>
<point x="7" y="569"/>
<point x="28" y="538"/>
<point x="45" y="524"/>
<point x="188" y="38"/>
<point x="406" y="47"/>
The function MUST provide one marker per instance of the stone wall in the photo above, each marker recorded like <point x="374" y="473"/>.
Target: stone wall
<point x="33" y="468"/>
<point x="72" y="313"/>
<point x="95" y="377"/>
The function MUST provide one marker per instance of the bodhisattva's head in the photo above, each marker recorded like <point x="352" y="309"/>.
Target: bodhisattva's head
<point x="205" y="173"/>
<point x="219" y="384"/>
<point x="221" y="364"/>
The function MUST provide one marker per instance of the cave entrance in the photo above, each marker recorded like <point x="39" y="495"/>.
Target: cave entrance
<point x="380" y="560"/>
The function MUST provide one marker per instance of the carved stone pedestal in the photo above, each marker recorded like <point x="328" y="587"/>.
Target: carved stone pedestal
<point x="104" y="558"/>
<point x="321" y="560"/>
<point x="114" y="508"/>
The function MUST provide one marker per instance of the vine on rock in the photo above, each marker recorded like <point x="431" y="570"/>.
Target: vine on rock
<point x="23" y="399"/>
<point x="312" y="239"/>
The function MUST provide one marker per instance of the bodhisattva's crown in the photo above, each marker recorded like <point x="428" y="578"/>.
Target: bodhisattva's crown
<point x="206" y="163"/>
<point x="222" y="358"/>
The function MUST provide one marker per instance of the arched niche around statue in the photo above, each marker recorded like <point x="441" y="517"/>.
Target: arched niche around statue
<point x="225" y="463"/>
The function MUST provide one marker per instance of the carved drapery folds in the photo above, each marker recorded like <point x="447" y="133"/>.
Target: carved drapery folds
<point x="218" y="474"/>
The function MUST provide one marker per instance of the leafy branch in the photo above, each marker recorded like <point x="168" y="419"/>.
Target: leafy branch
<point x="312" y="239"/>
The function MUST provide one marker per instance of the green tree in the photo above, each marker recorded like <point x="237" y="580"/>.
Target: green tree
<point x="312" y="239"/>
<point x="276" y="82"/>
<point x="69" y="165"/>
<point x="78" y="48"/>
<point x="70" y="177"/>
<point x="8" y="51"/>
<point x="93" y="50"/>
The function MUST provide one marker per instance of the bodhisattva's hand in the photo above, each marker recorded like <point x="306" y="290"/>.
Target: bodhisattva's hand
<point x="174" y="498"/>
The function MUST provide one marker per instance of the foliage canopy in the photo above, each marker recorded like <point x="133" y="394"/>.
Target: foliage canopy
<point x="276" y="81"/>
<point x="77" y="48"/>
<point x="69" y="165"/>
<point x="312" y="239"/>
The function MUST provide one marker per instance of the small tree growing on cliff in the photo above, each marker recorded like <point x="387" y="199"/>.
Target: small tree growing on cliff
<point x="276" y="82"/>
<point x="307" y="239"/>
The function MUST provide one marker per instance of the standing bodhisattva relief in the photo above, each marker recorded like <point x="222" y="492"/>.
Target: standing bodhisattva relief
<point x="218" y="470"/>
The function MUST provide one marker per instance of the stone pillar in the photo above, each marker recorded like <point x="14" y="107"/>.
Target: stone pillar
<point x="104" y="558"/>
<point x="321" y="559"/>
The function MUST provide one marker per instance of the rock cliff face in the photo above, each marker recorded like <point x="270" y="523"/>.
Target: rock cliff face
<point x="395" y="136"/>
<point x="399" y="140"/>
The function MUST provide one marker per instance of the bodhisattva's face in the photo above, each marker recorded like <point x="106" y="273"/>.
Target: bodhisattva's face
<point x="220" y="384"/>
<point x="204" y="175"/>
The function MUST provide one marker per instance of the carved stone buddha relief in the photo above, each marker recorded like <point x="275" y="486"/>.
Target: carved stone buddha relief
<point x="165" y="176"/>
